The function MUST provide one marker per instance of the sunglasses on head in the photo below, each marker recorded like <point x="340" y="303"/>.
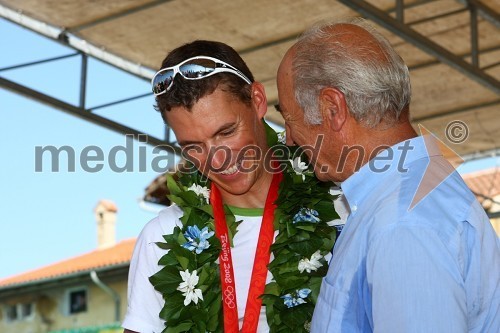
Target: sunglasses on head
<point x="194" y="68"/>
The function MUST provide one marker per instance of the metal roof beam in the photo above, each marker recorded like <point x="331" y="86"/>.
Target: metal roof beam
<point x="75" y="42"/>
<point x="86" y="115"/>
<point x="457" y="111"/>
<point x="422" y="42"/>
<point x="410" y="5"/>
<point x="462" y="55"/>
<point x="484" y="11"/>
<point x="477" y="155"/>
<point x="290" y="38"/>
<point x="436" y="17"/>
<point x="39" y="62"/>
<point x="124" y="100"/>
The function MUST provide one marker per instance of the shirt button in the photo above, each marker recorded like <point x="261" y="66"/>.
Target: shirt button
<point x="354" y="208"/>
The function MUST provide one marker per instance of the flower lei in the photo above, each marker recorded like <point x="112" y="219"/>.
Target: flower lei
<point x="190" y="278"/>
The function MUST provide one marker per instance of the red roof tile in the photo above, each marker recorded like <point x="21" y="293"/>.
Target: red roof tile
<point x="484" y="183"/>
<point x="121" y="253"/>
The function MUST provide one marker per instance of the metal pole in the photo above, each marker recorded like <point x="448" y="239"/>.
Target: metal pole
<point x="111" y="292"/>
<point x="83" y="81"/>
<point x="474" y="47"/>
<point x="400" y="7"/>
<point x="118" y="102"/>
<point x="167" y="133"/>
<point x="38" y="62"/>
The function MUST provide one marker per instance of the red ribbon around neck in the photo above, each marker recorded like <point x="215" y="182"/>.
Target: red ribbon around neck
<point x="259" y="271"/>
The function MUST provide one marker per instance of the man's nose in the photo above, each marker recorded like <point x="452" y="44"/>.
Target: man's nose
<point x="219" y="158"/>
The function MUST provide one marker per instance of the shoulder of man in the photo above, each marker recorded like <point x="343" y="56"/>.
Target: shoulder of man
<point x="167" y="219"/>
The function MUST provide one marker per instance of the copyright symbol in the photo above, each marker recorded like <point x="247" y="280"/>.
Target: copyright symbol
<point x="457" y="131"/>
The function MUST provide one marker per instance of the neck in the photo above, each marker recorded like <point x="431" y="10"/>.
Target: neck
<point x="379" y="138"/>
<point x="382" y="139"/>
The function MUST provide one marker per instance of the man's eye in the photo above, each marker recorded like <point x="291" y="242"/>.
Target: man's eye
<point x="227" y="133"/>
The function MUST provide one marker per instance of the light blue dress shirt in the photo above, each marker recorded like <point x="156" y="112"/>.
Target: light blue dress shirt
<point x="432" y="268"/>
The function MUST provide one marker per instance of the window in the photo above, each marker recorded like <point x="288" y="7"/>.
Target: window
<point x="19" y="311"/>
<point x="26" y="310"/>
<point x="11" y="312"/>
<point x="77" y="301"/>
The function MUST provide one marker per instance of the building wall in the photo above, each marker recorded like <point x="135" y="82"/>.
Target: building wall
<point x="51" y="310"/>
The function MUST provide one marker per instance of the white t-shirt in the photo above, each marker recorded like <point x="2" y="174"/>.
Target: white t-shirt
<point x="145" y="303"/>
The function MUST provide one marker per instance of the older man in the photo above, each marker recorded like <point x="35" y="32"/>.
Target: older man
<point x="415" y="255"/>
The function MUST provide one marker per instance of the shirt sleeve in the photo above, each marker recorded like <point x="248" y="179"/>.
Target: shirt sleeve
<point x="415" y="283"/>
<point x="144" y="302"/>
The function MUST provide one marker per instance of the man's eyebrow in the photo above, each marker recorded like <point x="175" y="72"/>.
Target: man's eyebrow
<point x="222" y="128"/>
<point x="187" y="143"/>
<point x="277" y="107"/>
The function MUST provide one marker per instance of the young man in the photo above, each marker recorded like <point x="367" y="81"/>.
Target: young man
<point x="208" y="96"/>
<point x="214" y="116"/>
<point x="416" y="254"/>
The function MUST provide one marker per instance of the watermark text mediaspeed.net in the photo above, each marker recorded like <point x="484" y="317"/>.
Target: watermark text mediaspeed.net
<point x="135" y="156"/>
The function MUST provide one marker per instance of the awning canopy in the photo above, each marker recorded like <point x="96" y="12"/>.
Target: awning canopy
<point x="452" y="47"/>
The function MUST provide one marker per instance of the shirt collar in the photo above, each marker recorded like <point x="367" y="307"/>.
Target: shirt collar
<point x="394" y="159"/>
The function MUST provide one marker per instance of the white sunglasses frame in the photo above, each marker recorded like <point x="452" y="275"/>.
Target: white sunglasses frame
<point x="228" y="69"/>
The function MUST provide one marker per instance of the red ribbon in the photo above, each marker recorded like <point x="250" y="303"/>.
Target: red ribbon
<point x="259" y="271"/>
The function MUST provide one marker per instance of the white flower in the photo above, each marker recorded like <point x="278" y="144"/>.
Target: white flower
<point x="299" y="167"/>
<point x="312" y="264"/>
<point x="200" y="190"/>
<point x="282" y="137"/>
<point x="187" y="287"/>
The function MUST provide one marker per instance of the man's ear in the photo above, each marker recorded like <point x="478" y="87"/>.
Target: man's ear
<point x="259" y="99"/>
<point x="333" y="108"/>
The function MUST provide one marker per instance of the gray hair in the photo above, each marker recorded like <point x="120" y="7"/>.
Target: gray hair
<point x="374" y="90"/>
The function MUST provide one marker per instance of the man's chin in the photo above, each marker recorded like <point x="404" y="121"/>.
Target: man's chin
<point x="237" y="190"/>
<point x="323" y="175"/>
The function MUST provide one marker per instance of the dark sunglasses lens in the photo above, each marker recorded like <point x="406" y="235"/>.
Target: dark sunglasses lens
<point x="162" y="81"/>
<point x="197" y="68"/>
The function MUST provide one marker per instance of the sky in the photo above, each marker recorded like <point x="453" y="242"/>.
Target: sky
<point x="48" y="216"/>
